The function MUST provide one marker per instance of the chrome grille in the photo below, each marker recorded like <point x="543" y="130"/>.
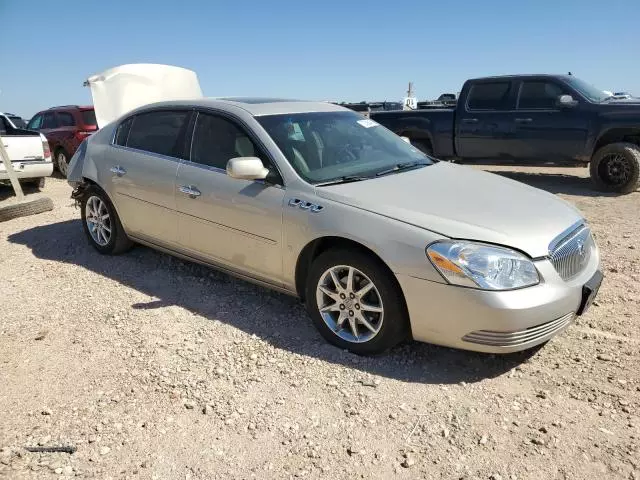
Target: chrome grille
<point x="570" y="253"/>
<point x="521" y="337"/>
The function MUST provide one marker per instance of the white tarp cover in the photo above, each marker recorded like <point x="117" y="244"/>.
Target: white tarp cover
<point x="123" y="88"/>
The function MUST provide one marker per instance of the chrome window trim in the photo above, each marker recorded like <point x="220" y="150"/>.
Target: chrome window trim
<point x="146" y="152"/>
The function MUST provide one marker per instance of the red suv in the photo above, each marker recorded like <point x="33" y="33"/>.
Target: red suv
<point x="65" y="128"/>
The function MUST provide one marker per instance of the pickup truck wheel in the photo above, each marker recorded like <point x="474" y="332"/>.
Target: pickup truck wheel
<point x="101" y="223"/>
<point x="62" y="161"/>
<point x="616" y="167"/>
<point x="354" y="302"/>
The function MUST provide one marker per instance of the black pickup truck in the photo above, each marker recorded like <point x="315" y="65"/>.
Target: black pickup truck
<point x="532" y="119"/>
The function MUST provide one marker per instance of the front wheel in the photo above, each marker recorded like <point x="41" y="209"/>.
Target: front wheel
<point x="101" y="223"/>
<point x="616" y="167"/>
<point x="355" y="303"/>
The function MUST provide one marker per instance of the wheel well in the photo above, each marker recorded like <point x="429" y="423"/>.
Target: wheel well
<point x="421" y="139"/>
<point x="629" y="135"/>
<point x="313" y="249"/>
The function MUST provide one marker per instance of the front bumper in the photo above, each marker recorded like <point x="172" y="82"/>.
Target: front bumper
<point x="494" y="322"/>
<point x="28" y="169"/>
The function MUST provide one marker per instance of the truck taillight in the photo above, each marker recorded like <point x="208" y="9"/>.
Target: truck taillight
<point x="47" y="150"/>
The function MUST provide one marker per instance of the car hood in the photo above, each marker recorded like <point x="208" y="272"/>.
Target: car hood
<point x="461" y="202"/>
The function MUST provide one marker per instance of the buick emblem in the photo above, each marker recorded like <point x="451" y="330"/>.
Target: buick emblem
<point x="580" y="248"/>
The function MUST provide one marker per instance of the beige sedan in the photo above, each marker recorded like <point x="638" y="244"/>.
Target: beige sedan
<point x="381" y="242"/>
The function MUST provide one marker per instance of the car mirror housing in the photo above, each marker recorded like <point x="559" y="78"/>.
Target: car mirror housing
<point x="566" y="101"/>
<point x="247" y="168"/>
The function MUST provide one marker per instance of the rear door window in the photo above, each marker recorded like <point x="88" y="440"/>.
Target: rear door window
<point x="489" y="96"/>
<point x="539" y="95"/>
<point x="65" y="119"/>
<point x="158" y="132"/>
<point x="49" y="120"/>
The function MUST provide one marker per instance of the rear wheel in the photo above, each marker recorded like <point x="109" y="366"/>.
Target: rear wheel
<point x="616" y="167"/>
<point x="101" y="223"/>
<point x="355" y="303"/>
<point x="62" y="161"/>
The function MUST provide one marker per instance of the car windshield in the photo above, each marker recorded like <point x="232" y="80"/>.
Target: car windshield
<point x="589" y="91"/>
<point x="18" y="122"/>
<point x="327" y="146"/>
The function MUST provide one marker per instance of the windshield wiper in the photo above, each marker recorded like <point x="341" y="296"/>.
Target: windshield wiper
<point x="402" y="166"/>
<point x="344" y="179"/>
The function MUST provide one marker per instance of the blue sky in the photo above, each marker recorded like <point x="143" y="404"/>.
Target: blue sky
<point x="326" y="50"/>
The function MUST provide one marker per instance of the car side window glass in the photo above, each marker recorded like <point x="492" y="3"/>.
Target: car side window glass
<point x="35" y="123"/>
<point x="217" y="140"/>
<point x="489" y="96"/>
<point x="158" y="132"/>
<point x="65" y="119"/>
<point x="122" y="134"/>
<point x="49" y="120"/>
<point x="539" y="95"/>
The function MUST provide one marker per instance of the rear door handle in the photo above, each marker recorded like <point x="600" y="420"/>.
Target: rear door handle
<point x="118" y="170"/>
<point x="190" y="190"/>
<point x="469" y="120"/>
<point x="524" y="120"/>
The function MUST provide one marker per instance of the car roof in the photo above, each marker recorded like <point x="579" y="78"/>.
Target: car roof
<point x="525" y="75"/>
<point x="256" y="106"/>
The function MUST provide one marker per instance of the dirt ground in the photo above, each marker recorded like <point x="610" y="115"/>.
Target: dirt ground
<point x="153" y="368"/>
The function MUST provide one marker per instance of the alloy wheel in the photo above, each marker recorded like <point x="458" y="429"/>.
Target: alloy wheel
<point x="349" y="304"/>
<point x="98" y="220"/>
<point x="63" y="166"/>
<point x="615" y="169"/>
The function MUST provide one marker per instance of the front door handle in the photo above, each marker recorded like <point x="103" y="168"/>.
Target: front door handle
<point x="118" y="170"/>
<point x="190" y="190"/>
<point x="469" y="120"/>
<point x="524" y="120"/>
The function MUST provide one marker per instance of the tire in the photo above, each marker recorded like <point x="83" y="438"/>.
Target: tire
<point x="616" y="168"/>
<point x="23" y="209"/>
<point x="62" y="162"/>
<point x="392" y="323"/>
<point x="117" y="241"/>
<point x="33" y="182"/>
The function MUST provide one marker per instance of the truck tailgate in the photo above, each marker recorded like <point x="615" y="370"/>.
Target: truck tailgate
<point x="24" y="147"/>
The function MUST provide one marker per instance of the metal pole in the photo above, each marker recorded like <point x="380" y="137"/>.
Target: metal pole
<point x="17" y="188"/>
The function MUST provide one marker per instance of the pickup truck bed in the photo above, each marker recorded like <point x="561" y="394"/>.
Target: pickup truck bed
<point x="28" y="151"/>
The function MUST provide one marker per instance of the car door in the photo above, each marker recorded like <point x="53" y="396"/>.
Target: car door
<point x="542" y="129"/>
<point x="49" y="129"/>
<point x="482" y="127"/>
<point x="234" y="223"/>
<point x="143" y="162"/>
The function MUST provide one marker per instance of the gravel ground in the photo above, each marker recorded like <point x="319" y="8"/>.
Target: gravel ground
<point x="154" y="368"/>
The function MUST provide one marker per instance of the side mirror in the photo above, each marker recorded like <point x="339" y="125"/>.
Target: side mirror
<point x="566" y="101"/>
<point x="406" y="139"/>
<point x="246" y="168"/>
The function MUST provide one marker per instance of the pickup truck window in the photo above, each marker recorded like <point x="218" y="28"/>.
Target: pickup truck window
<point x="325" y="146"/>
<point x="538" y="95"/>
<point x="489" y="96"/>
<point x="589" y="91"/>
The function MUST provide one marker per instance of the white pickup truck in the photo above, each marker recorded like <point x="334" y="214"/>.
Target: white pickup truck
<point x="28" y="151"/>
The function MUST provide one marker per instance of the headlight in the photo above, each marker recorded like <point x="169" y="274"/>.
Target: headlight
<point x="482" y="266"/>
